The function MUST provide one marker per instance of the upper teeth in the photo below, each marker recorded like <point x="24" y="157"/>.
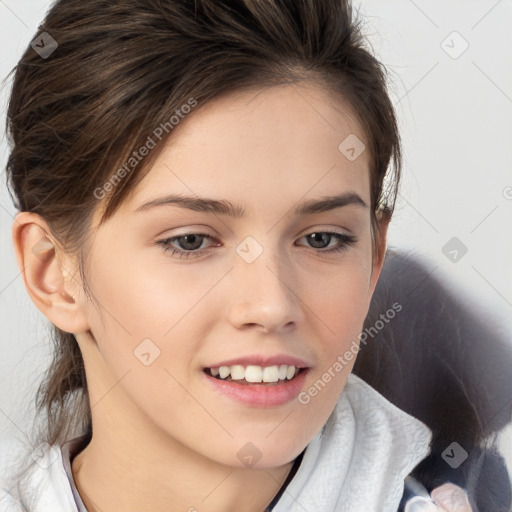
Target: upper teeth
<point x="254" y="373"/>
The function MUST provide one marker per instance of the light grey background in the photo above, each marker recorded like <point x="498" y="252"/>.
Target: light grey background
<point x="455" y="111"/>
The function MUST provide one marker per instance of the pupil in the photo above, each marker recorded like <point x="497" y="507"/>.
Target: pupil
<point x="318" y="238"/>
<point x="189" y="239"/>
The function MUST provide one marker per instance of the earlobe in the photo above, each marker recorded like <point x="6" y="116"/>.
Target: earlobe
<point x="44" y="275"/>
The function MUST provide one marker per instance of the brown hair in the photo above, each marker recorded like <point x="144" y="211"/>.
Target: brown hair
<point x="122" y="69"/>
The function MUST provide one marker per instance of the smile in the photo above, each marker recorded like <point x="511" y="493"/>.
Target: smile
<point x="253" y="374"/>
<point x="272" y="383"/>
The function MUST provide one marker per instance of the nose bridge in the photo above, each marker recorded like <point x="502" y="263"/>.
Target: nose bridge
<point x="265" y="294"/>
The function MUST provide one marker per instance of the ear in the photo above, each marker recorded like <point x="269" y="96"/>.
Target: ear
<point x="379" y="253"/>
<point x="46" y="270"/>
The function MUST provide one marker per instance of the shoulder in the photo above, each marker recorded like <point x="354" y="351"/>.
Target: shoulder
<point x="34" y="480"/>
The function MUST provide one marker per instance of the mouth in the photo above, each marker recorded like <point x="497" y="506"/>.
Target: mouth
<point x="253" y="374"/>
<point x="271" y="384"/>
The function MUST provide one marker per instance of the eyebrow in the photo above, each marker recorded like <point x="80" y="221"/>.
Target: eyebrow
<point x="224" y="207"/>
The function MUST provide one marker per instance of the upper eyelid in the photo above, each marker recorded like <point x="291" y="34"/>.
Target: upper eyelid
<point x="192" y="231"/>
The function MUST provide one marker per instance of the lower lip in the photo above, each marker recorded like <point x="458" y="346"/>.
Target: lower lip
<point x="260" y="395"/>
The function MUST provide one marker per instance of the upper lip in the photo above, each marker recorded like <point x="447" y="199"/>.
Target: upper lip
<point x="260" y="360"/>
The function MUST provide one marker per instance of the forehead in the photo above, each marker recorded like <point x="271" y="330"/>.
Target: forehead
<point x="262" y="145"/>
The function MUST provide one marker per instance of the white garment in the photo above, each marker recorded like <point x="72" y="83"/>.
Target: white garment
<point x="356" y="463"/>
<point x="360" y="458"/>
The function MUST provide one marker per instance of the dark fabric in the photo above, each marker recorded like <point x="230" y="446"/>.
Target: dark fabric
<point x="442" y="361"/>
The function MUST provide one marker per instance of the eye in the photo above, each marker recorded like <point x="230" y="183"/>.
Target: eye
<point x="189" y="244"/>
<point x="192" y="244"/>
<point x="321" y="240"/>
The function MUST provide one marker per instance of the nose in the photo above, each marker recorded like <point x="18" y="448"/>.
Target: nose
<point x="264" y="294"/>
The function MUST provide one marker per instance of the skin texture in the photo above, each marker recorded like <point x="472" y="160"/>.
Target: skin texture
<point x="163" y="437"/>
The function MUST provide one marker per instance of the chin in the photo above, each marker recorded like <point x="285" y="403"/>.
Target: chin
<point x="263" y="452"/>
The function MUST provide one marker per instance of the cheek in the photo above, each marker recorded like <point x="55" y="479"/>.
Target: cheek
<point x="137" y="300"/>
<point x="148" y="324"/>
<point x="344" y="296"/>
<point x="339" y="309"/>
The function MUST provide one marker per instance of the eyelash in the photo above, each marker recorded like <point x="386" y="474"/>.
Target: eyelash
<point x="345" y="241"/>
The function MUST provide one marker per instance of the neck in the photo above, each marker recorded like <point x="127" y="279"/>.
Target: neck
<point x="135" y="466"/>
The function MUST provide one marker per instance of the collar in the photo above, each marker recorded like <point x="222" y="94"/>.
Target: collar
<point x="360" y="457"/>
<point x="357" y="461"/>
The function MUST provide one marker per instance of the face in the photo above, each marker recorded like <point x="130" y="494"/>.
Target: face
<point x="260" y="285"/>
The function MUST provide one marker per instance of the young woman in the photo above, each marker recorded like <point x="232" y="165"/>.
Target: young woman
<point x="203" y="216"/>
